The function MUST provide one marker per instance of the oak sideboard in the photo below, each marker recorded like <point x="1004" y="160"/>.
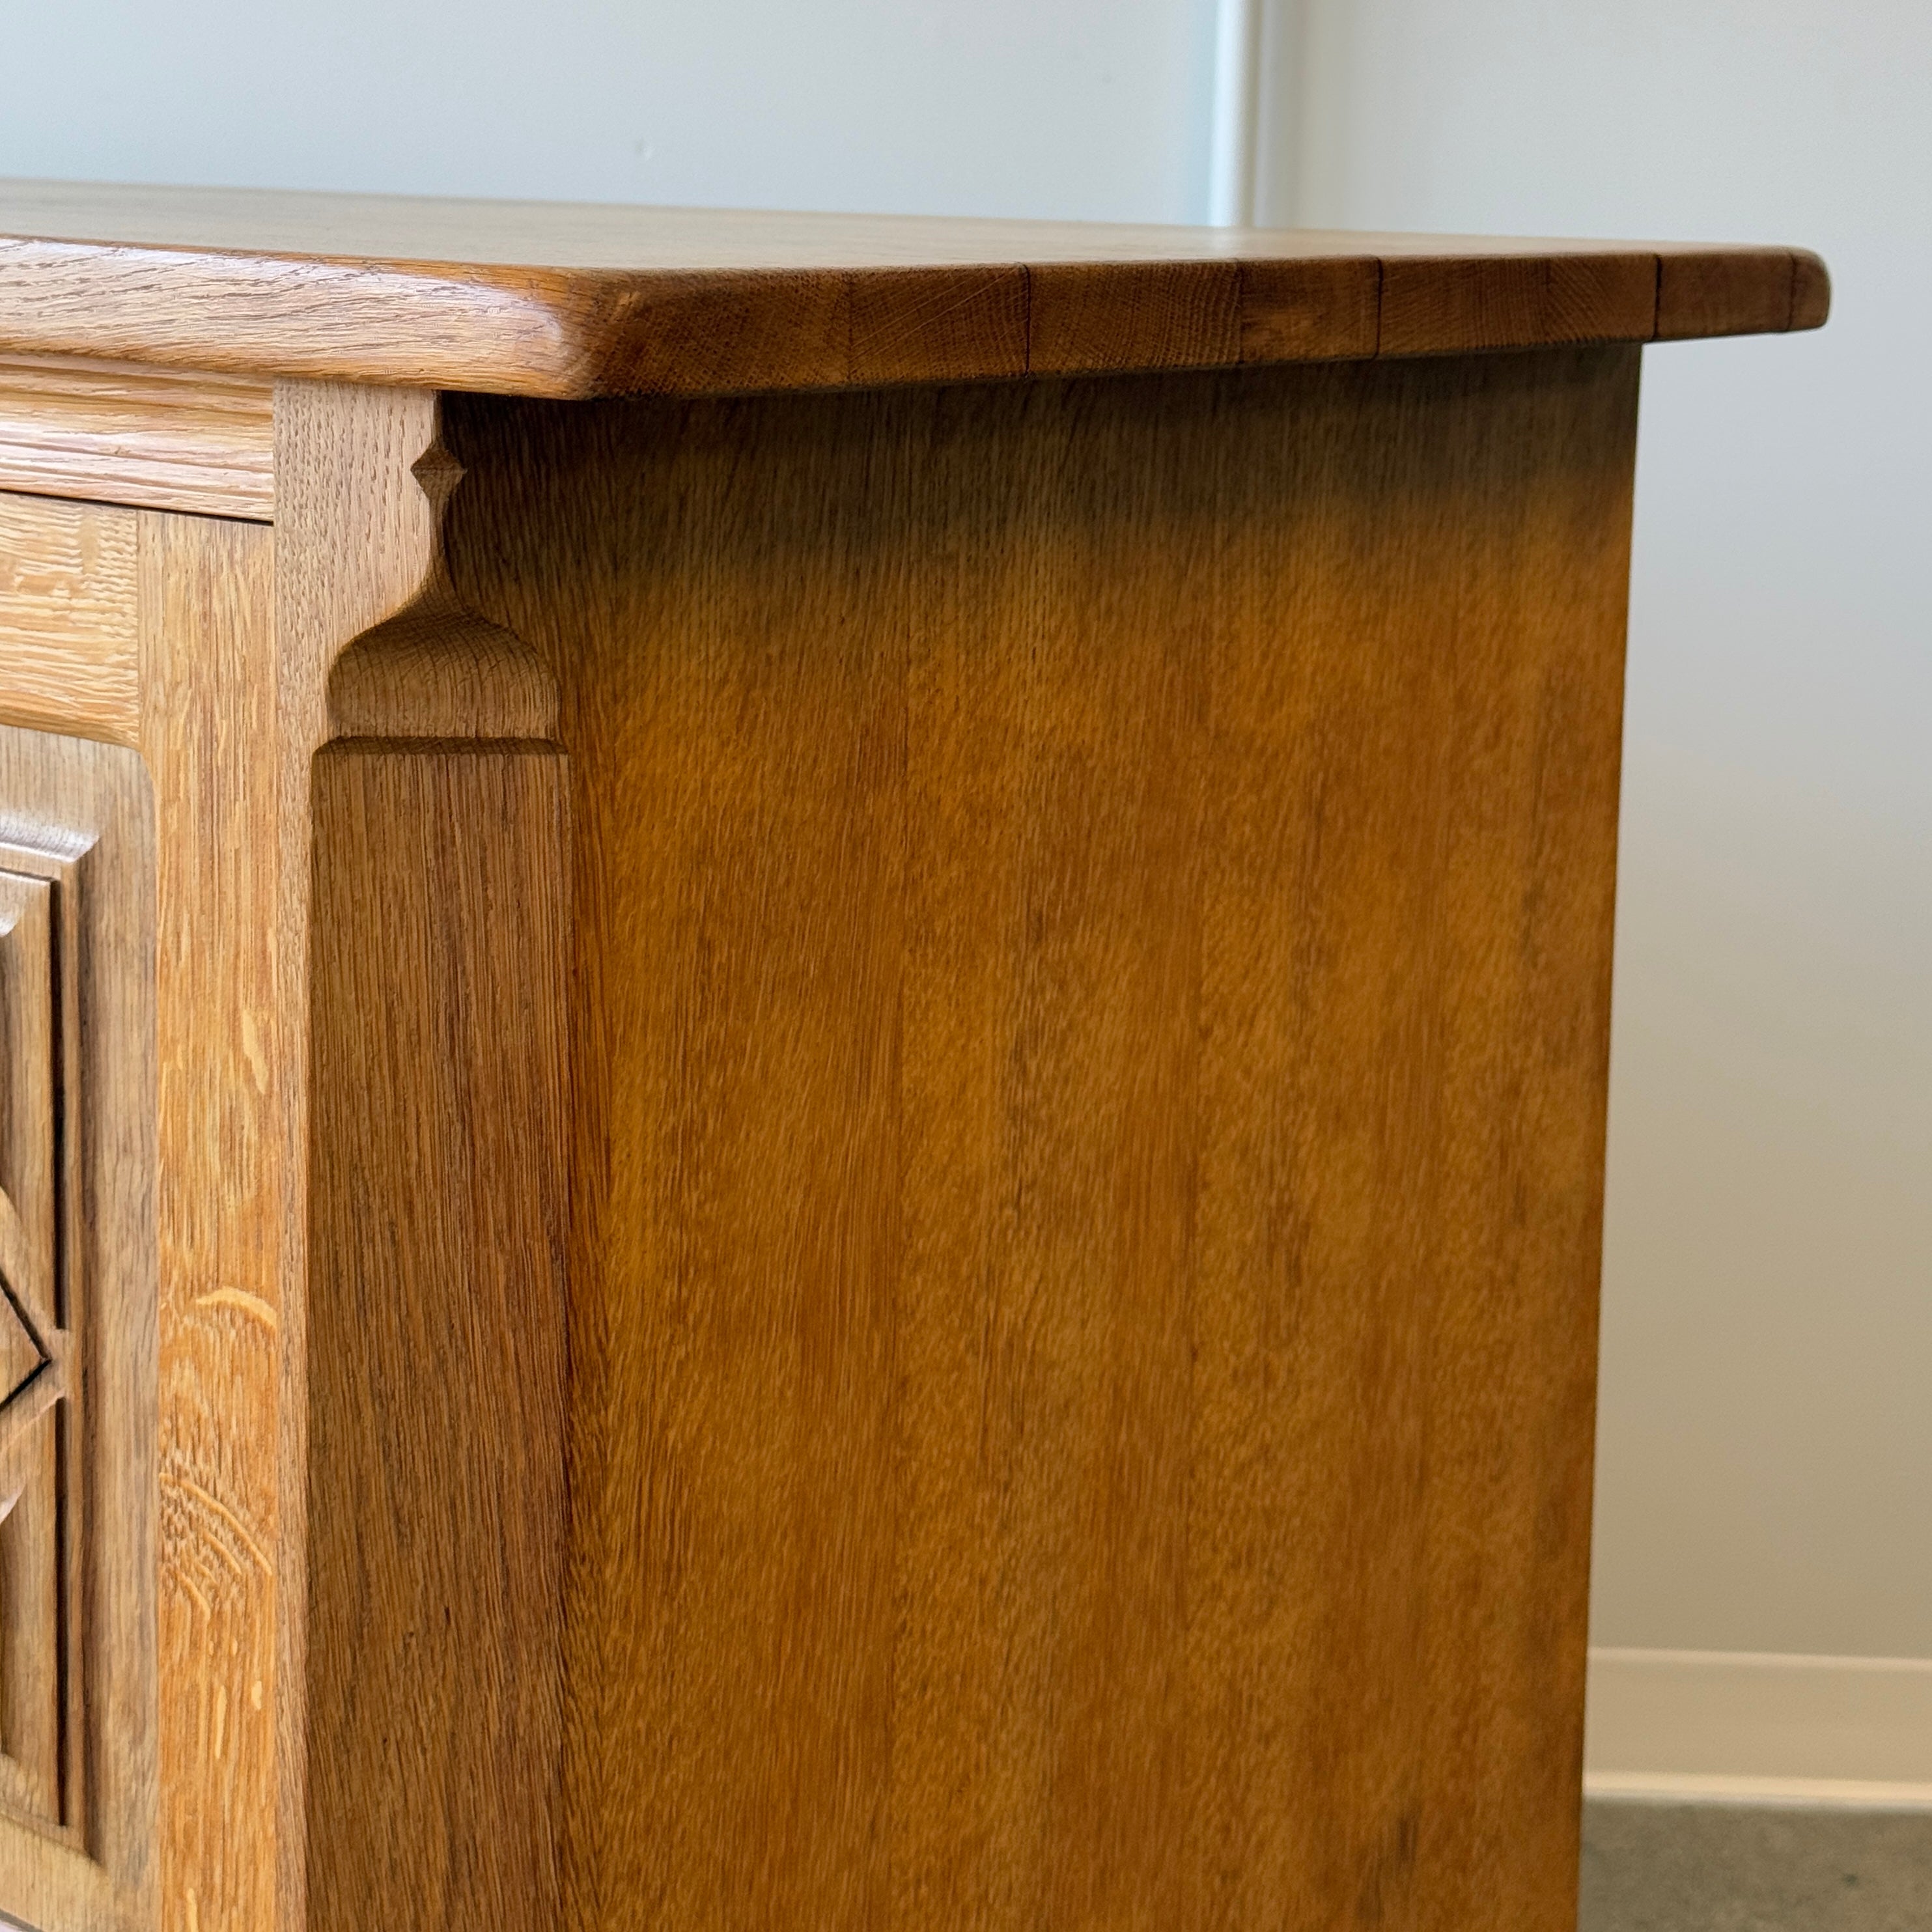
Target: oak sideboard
<point x="805" y="1030"/>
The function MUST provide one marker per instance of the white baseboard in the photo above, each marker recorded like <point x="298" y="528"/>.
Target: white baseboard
<point x="1751" y="1727"/>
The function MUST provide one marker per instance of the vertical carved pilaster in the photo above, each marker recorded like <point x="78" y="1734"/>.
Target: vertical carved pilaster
<point x="432" y="1335"/>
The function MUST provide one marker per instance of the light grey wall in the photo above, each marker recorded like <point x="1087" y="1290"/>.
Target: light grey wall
<point x="1092" y="109"/>
<point x="1765" y="1443"/>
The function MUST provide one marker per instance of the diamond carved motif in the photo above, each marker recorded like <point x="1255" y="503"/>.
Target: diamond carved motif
<point x="22" y="1357"/>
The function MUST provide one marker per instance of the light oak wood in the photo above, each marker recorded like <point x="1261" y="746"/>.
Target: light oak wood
<point x="229" y="1225"/>
<point x="22" y="1355"/>
<point x="35" y="967"/>
<point x="370" y="636"/>
<point x="577" y="300"/>
<point x="1701" y="294"/>
<point x="152" y="437"/>
<point x="370" y="597"/>
<point x="1811" y="291"/>
<point x="839" y="1154"/>
<point x="39" y="1770"/>
<point x="1428" y="307"/>
<point x="78" y="1690"/>
<point x="437" y="1520"/>
<point x="1086" y="1191"/>
<point x="69" y="622"/>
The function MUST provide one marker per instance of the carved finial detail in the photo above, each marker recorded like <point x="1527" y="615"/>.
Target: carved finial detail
<point x="364" y="581"/>
<point x="438" y="473"/>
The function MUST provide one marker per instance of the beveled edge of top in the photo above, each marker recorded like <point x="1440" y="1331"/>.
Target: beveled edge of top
<point x="570" y="300"/>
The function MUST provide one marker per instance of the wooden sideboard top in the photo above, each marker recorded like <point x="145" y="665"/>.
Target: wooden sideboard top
<point x="577" y="300"/>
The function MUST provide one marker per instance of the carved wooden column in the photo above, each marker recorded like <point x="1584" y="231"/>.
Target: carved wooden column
<point x="802" y="1034"/>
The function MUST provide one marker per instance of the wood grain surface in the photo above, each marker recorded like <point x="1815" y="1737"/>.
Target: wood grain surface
<point x="554" y="299"/>
<point x="230" y="1074"/>
<point x="385" y="645"/>
<point x="43" y="1688"/>
<point x="117" y="433"/>
<point x="1091" y="963"/>
<point x="239" y="627"/>
<point x="419" y="1739"/>
<point x="79" y="1688"/>
<point x="70" y="634"/>
<point x="218" y="639"/>
<point x="959" y="1036"/>
<point x="437" y="1519"/>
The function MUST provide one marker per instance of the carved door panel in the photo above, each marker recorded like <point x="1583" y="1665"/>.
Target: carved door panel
<point x="42" y="1679"/>
<point x="77" y="1361"/>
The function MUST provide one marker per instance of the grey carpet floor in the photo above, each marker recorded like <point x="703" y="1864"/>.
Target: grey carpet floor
<point x="1649" y="1866"/>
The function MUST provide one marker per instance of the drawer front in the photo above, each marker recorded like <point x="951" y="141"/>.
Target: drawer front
<point x="70" y="629"/>
<point x="125" y="433"/>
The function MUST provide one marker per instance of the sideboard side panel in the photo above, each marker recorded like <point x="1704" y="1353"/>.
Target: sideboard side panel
<point x="437" y="1513"/>
<point x="1090" y="1024"/>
